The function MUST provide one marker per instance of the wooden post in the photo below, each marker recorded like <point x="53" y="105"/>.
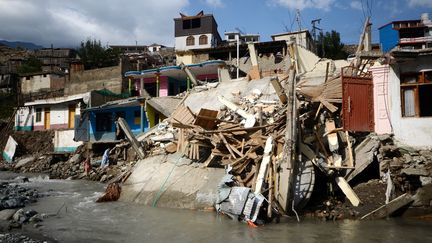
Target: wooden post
<point x="129" y="135"/>
<point x="279" y="90"/>
<point x="285" y="174"/>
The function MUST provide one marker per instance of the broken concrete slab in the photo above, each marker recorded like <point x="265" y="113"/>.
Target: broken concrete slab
<point x="178" y="186"/>
<point x="423" y="196"/>
<point x="364" y="155"/>
<point x="24" y="161"/>
<point x="129" y="135"/>
<point x="415" y="171"/>
<point x="387" y="209"/>
<point x="7" y="214"/>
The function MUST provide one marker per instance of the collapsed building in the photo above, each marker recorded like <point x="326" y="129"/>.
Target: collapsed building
<point x="297" y="136"/>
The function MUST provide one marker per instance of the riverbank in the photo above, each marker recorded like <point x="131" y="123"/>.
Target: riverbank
<point x="83" y="220"/>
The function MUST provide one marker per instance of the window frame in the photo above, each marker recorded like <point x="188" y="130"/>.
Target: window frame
<point x="38" y="117"/>
<point x="190" y="40"/>
<point x="407" y="82"/>
<point x="203" y="40"/>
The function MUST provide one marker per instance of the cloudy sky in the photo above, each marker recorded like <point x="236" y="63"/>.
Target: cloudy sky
<point x="66" y="23"/>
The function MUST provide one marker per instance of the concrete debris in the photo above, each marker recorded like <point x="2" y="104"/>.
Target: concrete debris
<point x="269" y="136"/>
<point x="391" y="207"/>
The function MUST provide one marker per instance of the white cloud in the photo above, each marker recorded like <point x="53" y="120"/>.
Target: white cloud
<point x="420" y="3"/>
<point x="215" y="3"/>
<point x="302" y="4"/>
<point x="356" y="5"/>
<point x="67" y="23"/>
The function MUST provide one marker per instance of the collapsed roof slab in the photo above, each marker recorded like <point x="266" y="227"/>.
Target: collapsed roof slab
<point x="208" y="99"/>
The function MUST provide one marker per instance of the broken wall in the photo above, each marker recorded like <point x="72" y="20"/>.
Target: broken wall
<point x="24" y="119"/>
<point x="34" y="84"/>
<point x="102" y="78"/>
<point x="268" y="64"/>
<point x="63" y="141"/>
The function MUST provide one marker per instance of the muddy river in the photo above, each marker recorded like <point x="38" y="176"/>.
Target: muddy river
<point x="79" y="219"/>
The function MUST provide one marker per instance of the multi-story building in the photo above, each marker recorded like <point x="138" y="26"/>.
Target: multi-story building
<point x="406" y="34"/>
<point x="196" y="32"/>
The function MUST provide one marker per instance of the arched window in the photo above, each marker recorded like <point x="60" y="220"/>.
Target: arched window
<point x="190" y="41"/>
<point x="203" y="40"/>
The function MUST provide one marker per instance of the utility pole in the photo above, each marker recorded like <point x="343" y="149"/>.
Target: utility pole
<point x="298" y="19"/>
<point x="314" y="29"/>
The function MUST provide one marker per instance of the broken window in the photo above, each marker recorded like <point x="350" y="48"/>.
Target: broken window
<point x="190" y="41"/>
<point x="203" y="40"/>
<point x="38" y="114"/>
<point x="103" y="122"/>
<point x="191" y="23"/>
<point x="416" y="94"/>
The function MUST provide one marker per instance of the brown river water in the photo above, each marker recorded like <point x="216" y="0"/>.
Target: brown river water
<point x="79" y="219"/>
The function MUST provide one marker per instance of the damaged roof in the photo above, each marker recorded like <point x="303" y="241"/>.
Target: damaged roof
<point x="165" y="105"/>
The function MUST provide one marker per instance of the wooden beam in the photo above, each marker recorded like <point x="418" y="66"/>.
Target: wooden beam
<point x="129" y="135"/>
<point x="348" y="191"/>
<point x="391" y="207"/>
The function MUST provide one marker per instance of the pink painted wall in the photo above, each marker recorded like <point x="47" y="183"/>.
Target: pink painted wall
<point x="163" y="90"/>
<point x="382" y="101"/>
<point x="163" y="84"/>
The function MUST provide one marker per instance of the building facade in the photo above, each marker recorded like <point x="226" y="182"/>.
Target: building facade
<point x="196" y="32"/>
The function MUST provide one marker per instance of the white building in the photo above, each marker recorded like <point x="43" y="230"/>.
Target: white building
<point x="232" y="36"/>
<point x="302" y="38"/>
<point x="57" y="114"/>
<point x="402" y="97"/>
<point x="196" y="32"/>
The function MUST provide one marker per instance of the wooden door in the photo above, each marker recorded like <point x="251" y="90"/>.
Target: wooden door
<point x="358" y="109"/>
<point x="47" y="118"/>
<point x="71" y="120"/>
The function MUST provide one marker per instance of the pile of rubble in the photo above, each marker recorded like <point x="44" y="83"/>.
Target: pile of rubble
<point x="72" y="166"/>
<point x="15" y="196"/>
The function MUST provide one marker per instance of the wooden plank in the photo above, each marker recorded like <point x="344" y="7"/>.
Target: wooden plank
<point x="183" y="116"/>
<point x="206" y="119"/>
<point x="387" y="209"/>
<point x="279" y="90"/>
<point x="350" y="154"/>
<point x="227" y="145"/>
<point x="264" y="164"/>
<point x="348" y="191"/>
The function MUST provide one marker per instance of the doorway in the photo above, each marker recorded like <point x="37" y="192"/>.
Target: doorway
<point x="47" y="118"/>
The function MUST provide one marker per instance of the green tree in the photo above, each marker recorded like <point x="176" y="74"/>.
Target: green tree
<point x="330" y="46"/>
<point x="94" y="55"/>
<point x="31" y="65"/>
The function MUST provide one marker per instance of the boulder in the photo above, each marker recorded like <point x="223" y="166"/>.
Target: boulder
<point x="7" y="214"/>
<point x="24" y="161"/>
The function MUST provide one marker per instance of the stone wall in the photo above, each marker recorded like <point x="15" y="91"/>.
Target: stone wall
<point x="95" y="79"/>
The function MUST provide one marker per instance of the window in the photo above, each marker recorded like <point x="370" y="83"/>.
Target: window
<point x="38" y="114"/>
<point x="190" y="41"/>
<point x="137" y="117"/>
<point x="203" y="40"/>
<point x="103" y="122"/>
<point x="191" y="23"/>
<point x="416" y="94"/>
